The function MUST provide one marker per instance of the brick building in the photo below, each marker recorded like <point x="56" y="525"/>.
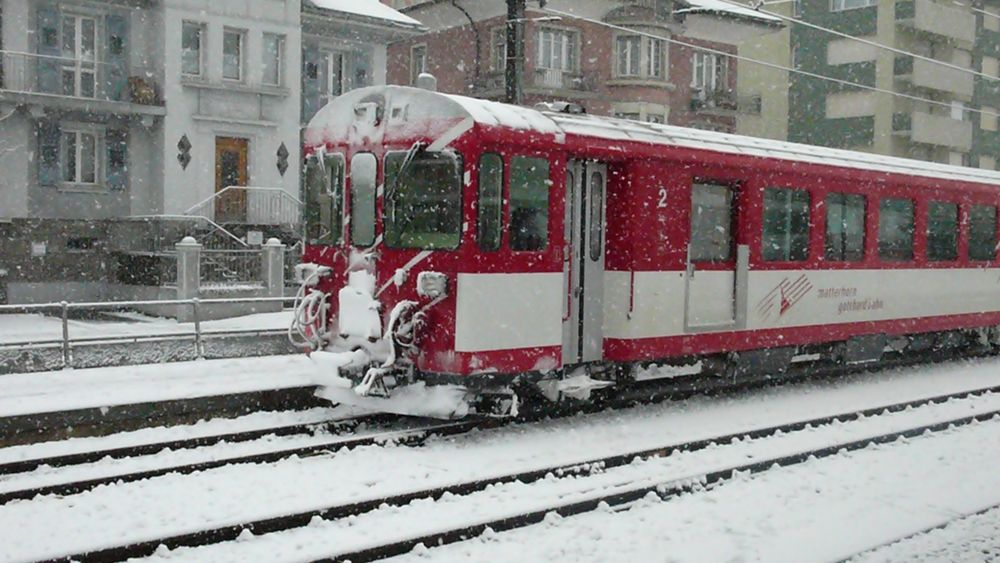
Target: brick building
<point x="595" y="60"/>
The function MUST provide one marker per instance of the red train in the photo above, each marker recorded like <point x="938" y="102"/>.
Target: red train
<point x="455" y="241"/>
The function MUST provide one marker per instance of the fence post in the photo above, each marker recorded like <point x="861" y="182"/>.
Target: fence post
<point x="188" y="272"/>
<point x="199" y="348"/>
<point x="67" y="357"/>
<point x="273" y="268"/>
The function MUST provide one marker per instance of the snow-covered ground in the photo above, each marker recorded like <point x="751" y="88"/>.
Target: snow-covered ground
<point x="24" y="328"/>
<point x="118" y="514"/>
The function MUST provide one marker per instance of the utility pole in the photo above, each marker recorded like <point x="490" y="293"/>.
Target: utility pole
<point x="514" y="71"/>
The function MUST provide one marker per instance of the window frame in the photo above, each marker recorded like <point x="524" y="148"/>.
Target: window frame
<point x="480" y="238"/>
<point x="459" y="162"/>
<point x="842" y="256"/>
<point x="352" y="201"/>
<point x="570" y="49"/>
<point x="930" y="235"/>
<point x="202" y="33"/>
<point x="732" y="191"/>
<point x="241" y="34"/>
<point x="279" y="60"/>
<point x="498" y="48"/>
<point x="709" y="82"/>
<point x="842" y="7"/>
<point x="620" y="57"/>
<point x="414" y="72"/>
<point x="969" y="222"/>
<point x="100" y="151"/>
<point x="511" y="165"/>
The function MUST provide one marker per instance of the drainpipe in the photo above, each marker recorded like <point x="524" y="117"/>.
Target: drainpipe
<point x="475" y="31"/>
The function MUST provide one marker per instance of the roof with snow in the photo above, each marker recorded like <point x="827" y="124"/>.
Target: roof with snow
<point x="372" y="9"/>
<point x="724" y="7"/>
<point x="422" y="107"/>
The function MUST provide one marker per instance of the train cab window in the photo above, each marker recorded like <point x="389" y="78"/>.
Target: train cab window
<point x="529" y="203"/>
<point x="982" y="232"/>
<point x="490" y="201"/>
<point x="895" y="229"/>
<point x="325" y="199"/>
<point x="423" y="200"/>
<point x="942" y="231"/>
<point x="711" y="222"/>
<point x="364" y="169"/>
<point x="596" y="216"/>
<point x="845" y="227"/>
<point x="786" y="225"/>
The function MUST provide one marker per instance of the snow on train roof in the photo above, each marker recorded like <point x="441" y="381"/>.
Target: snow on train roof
<point x="627" y="130"/>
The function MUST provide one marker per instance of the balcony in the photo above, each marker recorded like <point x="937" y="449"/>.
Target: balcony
<point x="556" y="79"/>
<point x="722" y="102"/>
<point x="921" y="127"/>
<point x="925" y="74"/>
<point x="77" y="84"/>
<point x="929" y="17"/>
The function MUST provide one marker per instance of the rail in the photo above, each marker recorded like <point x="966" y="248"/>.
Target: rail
<point x="231" y="268"/>
<point x="84" y="78"/>
<point x="250" y="205"/>
<point x="197" y="333"/>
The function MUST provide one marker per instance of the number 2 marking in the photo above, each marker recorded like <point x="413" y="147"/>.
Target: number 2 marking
<point x="662" y="203"/>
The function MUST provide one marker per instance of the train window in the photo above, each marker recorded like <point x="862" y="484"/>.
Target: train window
<point x="364" y="168"/>
<point x="596" y="215"/>
<point x="324" y="199"/>
<point x="845" y="227"/>
<point x="982" y="232"/>
<point x="942" y="231"/>
<point x="529" y="203"/>
<point x="895" y="229"/>
<point x="423" y="200"/>
<point x="711" y="222"/>
<point x="786" y="225"/>
<point x="490" y="201"/>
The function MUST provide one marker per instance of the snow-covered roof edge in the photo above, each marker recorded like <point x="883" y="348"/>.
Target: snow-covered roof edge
<point x="725" y="8"/>
<point x="368" y="9"/>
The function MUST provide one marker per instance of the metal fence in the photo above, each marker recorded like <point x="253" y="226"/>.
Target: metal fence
<point x="232" y="267"/>
<point x="251" y="205"/>
<point x="194" y="339"/>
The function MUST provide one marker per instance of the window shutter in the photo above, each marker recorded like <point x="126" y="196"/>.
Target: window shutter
<point x="47" y="44"/>
<point x="115" y="78"/>
<point x="312" y="88"/>
<point x="117" y="147"/>
<point x="48" y="153"/>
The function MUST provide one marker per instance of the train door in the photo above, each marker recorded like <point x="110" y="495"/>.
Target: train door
<point x="710" y="279"/>
<point x="583" y="261"/>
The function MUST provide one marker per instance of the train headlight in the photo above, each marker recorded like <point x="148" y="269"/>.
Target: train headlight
<point x="432" y="285"/>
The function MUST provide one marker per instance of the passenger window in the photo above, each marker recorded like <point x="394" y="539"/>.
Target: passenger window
<point x="490" y="201"/>
<point x="325" y="199"/>
<point x="596" y="215"/>
<point x="895" y="229"/>
<point x="845" y="227"/>
<point x="422" y="205"/>
<point x="786" y="225"/>
<point x="364" y="168"/>
<point x="942" y="231"/>
<point x="529" y="203"/>
<point x="982" y="232"/>
<point x="711" y="222"/>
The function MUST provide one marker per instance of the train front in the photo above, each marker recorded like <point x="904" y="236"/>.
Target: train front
<point x="384" y="184"/>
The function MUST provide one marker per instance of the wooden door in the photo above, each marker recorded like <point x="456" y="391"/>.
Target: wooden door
<point x="231" y="170"/>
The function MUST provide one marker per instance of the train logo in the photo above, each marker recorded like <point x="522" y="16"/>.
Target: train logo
<point x="783" y="297"/>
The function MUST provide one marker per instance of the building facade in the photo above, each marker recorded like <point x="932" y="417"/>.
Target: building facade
<point x="650" y="60"/>
<point x="938" y="126"/>
<point x="121" y="121"/>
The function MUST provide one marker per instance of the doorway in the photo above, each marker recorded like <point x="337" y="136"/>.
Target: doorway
<point x="231" y="170"/>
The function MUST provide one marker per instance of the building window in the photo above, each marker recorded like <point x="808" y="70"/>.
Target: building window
<point x="958" y="111"/>
<point x="982" y="232"/>
<point x="80" y="157"/>
<point x="841" y="5"/>
<point x="786" y="225"/>
<point x="987" y="162"/>
<point x="629" y="49"/>
<point x="192" y="36"/>
<point x="79" y="52"/>
<point x="709" y="73"/>
<point x="639" y="56"/>
<point x="796" y="8"/>
<point x="655" y="55"/>
<point x="556" y="49"/>
<point x="942" y="231"/>
<point x="274" y="54"/>
<point x="418" y="62"/>
<point x="529" y="203"/>
<point x="334" y="63"/>
<point x="845" y="227"/>
<point x="895" y="229"/>
<point x="498" y="48"/>
<point x="232" y="54"/>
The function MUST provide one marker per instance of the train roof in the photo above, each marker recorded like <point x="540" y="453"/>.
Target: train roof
<point x="494" y="114"/>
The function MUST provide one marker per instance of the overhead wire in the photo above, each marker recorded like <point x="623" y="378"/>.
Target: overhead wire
<point x="767" y="64"/>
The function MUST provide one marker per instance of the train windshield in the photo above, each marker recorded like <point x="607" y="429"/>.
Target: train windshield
<point x="423" y="200"/>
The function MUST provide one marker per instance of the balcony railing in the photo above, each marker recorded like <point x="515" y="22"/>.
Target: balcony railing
<point x="924" y="128"/>
<point x="77" y="78"/>
<point x="922" y="73"/>
<point x="557" y="79"/>
<point x="930" y="17"/>
<point x="250" y="206"/>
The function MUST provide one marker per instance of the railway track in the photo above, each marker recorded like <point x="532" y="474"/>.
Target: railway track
<point x="582" y="469"/>
<point x="265" y="453"/>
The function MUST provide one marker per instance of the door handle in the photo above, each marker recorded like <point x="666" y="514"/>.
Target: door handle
<point x="577" y="292"/>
